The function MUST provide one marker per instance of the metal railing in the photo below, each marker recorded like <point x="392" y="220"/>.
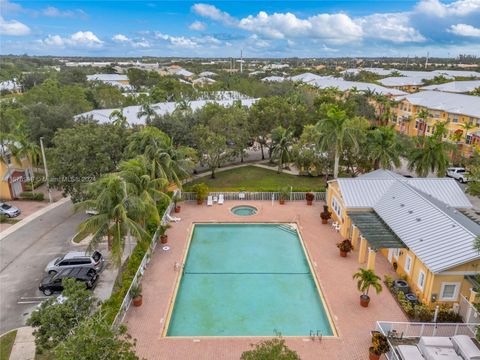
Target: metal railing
<point x="410" y="330"/>
<point x="127" y="300"/>
<point x="468" y="311"/>
<point x="256" y="196"/>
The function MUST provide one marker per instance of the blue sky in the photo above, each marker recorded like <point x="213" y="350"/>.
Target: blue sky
<point x="222" y="28"/>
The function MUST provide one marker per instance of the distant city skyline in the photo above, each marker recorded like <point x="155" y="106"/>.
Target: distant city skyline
<point x="223" y="28"/>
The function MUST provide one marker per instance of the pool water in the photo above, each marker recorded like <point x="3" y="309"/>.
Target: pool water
<point x="244" y="210"/>
<point x="247" y="280"/>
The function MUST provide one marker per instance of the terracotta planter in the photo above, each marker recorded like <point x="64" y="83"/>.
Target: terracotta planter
<point x="324" y="221"/>
<point x="178" y="208"/>
<point x="199" y="201"/>
<point x="138" y="300"/>
<point x="164" y="239"/>
<point x="373" y="356"/>
<point x="282" y="201"/>
<point x="364" y="300"/>
<point x="343" y="253"/>
<point x="309" y="202"/>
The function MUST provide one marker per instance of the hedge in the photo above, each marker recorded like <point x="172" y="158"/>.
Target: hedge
<point x="28" y="195"/>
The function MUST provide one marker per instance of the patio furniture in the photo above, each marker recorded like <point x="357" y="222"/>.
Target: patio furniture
<point x="437" y="348"/>
<point x="220" y="199"/>
<point x="466" y="347"/>
<point x="334" y="224"/>
<point x="173" y="218"/>
<point x="210" y="201"/>
<point x="215" y="199"/>
<point x="409" y="352"/>
<point x="338" y="227"/>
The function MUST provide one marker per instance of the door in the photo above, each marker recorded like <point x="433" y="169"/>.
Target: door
<point x="17" y="188"/>
<point x="390" y="255"/>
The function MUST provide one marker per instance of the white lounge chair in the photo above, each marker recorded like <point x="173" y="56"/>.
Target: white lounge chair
<point x="209" y="201"/>
<point x="173" y="218"/>
<point x="220" y="199"/>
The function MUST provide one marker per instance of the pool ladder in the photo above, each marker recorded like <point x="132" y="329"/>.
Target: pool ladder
<point x="288" y="228"/>
<point x="317" y="334"/>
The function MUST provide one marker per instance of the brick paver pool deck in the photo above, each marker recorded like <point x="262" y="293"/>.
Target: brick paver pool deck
<point x="334" y="274"/>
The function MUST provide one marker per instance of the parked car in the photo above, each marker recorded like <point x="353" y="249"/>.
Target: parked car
<point x="458" y="173"/>
<point x="53" y="282"/>
<point x="75" y="259"/>
<point x="9" y="210"/>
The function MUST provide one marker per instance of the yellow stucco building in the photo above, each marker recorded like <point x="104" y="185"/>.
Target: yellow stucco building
<point x="13" y="175"/>
<point x="461" y="112"/>
<point x="417" y="224"/>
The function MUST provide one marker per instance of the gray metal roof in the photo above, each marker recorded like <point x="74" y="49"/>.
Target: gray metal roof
<point x="374" y="229"/>
<point x="455" y="86"/>
<point x="440" y="236"/>
<point x="366" y="190"/>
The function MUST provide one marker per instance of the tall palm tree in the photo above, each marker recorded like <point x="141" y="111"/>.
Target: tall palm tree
<point x="118" y="119"/>
<point x="282" y="139"/>
<point x="120" y="212"/>
<point x="334" y="132"/>
<point x="423" y="115"/>
<point x="147" y="110"/>
<point x="31" y="151"/>
<point x="384" y="147"/>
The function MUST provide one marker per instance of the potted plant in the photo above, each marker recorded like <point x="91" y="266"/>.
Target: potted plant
<point x="345" y="247"/>
<point x="379" y="346"/>
<point x="136" y="295"/>
<point x="283" y="195"/>
<point x="164" y="236"/>
<point x="176" y="199"/>
<point x="366" y="279"/>
<point x="309" y="196"/>
<point x="325" y="215"/>
<point x="201" y="191"/>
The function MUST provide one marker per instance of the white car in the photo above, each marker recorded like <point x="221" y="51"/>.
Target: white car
<point x="458" y="173"/>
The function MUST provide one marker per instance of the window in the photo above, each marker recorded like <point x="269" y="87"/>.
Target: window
<point x="468" y="139"/>
<point x="396" y="253"/>
<point x="337" y="208"/>
<point x="455" y="119"/>
<point x="449" y="291"/>
<point x="408" y="264"/>
<point x="421" y="280"/>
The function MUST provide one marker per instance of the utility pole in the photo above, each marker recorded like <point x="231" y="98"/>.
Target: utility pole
<point x="426" y="61"/>
<point x="46" y="169"/>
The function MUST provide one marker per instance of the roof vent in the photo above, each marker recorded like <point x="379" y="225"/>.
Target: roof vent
<point x="418" y="219"/>
<point x="393" y="197"/>
<point x="410" y="211"/>
<point x="421" y="240"/>
<point x="453" y="225"/>
<point x="402" y="205"/>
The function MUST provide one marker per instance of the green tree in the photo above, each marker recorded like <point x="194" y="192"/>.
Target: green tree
<point x="383" y="147"/>
<point x="274" y="349"/>
<point x="118" y="119"/>
<point x="94" y="339"/>
<point x="54" y="319"/>
<point x="147" y="110"/>
<point x="281" y="151"/>
<point x="367" y="279"/>
<point x="212" y="147"/>
<point x="29" y="150"/>
<point x="335" y="131"/>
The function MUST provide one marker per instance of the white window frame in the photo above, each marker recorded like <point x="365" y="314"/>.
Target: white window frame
<point x="337" y="208"/>
<point x="396" y="253"/>
<point x="421" y="286"/>
<point x="455" y="294"/>
<point x="408" y="260"/>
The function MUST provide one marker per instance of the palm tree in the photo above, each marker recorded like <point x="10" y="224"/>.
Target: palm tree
<point x="336" y="130"/>
<point x="282" y="139"/>
<point x="146" y="110"/>
<point x="365" y="280"/>
<point x="120" y="212"/>
<point x="118" y="119"/>
<point x="384" y="147"/>
<point x="423" y="115"/>
<point x="31" y="151"/>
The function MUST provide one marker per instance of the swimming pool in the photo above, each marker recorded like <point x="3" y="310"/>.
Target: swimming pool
<point x="244" y="210"/>
<point x="247" y="280"/>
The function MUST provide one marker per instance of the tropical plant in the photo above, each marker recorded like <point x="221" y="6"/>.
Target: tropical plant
<point x="201" y="191"/>
<point x="284" y="193"/>
<point x="274" y="349"/>
<point x="379" y="344"/>
<point x="383" y="147"/>
<point x="29" y="150"/>
<point x="366" y="279"/>
<point x="345" y="246"/>
<point x="118" y="119"/>
<point x="476" y="243"/>
<point x="281" y="150"/>
<point x="146" y="110"/>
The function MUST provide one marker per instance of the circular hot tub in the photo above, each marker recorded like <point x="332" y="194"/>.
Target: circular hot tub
<point x="244" y="210"/>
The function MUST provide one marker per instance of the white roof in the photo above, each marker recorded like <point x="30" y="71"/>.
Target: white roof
<point x="366" y="190"/>
<point x="107" y="77"/>
<point x="455" y="86"/>
<point x="378" y="71"/>
<point x="183" y="72"/>
<point x="131" y="112"/>
<point x="448" y="102"/>
<point x="401" y="81"/>
<point x="207" y="73"/>
<point x="457" y="73"/>
<point x="203" y="80"/>
<point x="344" y="85"/>
<point x="418" y="74"/>
<point x="9" y="85"/>
<point x="308" y="77"/>
<point x="274" y="78"/>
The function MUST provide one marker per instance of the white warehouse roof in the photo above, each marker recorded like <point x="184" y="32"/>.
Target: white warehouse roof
<point x="107" y="77"/>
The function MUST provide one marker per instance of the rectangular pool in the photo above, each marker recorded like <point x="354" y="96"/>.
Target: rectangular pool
<point x="247" y="280"/>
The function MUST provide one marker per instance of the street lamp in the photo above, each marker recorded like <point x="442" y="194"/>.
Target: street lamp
<point x="46" y="170"/>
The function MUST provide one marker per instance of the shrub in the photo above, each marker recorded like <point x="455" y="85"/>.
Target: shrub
<point x="423" y="313"/>
<point x="270" y="349"/>
<point x="446" y="314"/>
<point x="388" y="280"/>
<point x="28" y="195"/>
<point x="379" y="344"/>
<point x="201" y="190"/>
<point x="309" y="196"/>
<point x="345" y="246"/>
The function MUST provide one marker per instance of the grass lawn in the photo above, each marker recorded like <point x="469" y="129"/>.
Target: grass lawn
<point x="252" y="178"/>
<point x="6" y="344"/>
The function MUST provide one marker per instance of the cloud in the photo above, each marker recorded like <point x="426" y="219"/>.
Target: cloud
<point x="456" y="8"/>
<point x="140" y="43"/>
<point x="9" y="7"/>
<point x="120" y="38"/>
<point x="197" y="25"/>
<point x="394" y="27"/>
<point x="80" y="39"/>
<point x="177" y="41"/>
<point x="52" y="11"/>
<point x="464" y="30"/>
<point x="13" y="28"/>
<point x="213" y="13"/>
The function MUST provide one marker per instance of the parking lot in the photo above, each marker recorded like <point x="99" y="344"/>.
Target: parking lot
<point x="24" y="255"/>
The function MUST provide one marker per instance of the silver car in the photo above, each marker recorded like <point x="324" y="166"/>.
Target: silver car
<point x="9" y="210"/>
<point x="76" y="259"/>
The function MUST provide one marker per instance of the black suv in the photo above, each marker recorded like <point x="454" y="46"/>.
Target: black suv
<point x="53" y="282"/>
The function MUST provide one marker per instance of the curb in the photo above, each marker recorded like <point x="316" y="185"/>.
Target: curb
<point x="32" y="217"/>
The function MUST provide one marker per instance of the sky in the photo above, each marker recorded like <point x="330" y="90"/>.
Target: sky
<point x="277" y="29"/>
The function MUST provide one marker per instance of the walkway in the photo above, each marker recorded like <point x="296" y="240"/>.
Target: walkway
<point x="24" y="345"/>
<point x="334" y="273"/>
